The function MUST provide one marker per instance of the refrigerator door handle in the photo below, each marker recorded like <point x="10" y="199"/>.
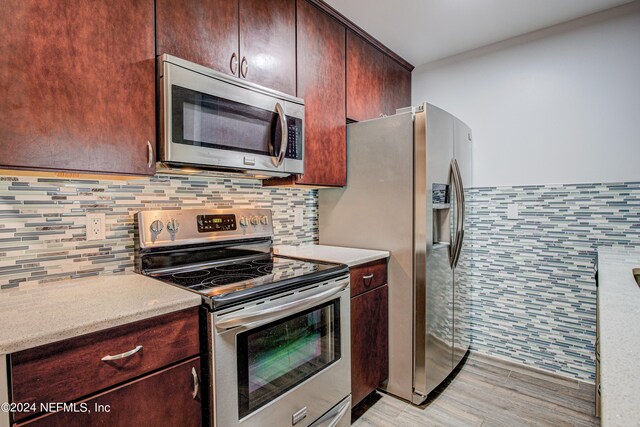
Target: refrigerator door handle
<point x="460" y="207"/>
<point x="452" y="182"/>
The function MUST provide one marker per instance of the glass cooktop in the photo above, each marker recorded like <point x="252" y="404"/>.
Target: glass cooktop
<point x="252" y="277"/>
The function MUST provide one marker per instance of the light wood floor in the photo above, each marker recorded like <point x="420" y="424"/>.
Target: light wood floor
<point x="488" y="392"/>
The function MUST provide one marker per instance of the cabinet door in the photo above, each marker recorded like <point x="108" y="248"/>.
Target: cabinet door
<point x="67" y="370"/>
<point x="365" y="77"/>
<point x="171" y="397"/>
<point x="397" y="86"/>
<point x="268" y="43"/>
<point x="200" y="31"/>
<point x="77" y="85"/>
<point x="321" y="82"/>
<point x="369" y="342"/>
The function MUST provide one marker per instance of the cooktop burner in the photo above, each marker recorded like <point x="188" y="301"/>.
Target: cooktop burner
<point x="233" y="276"/>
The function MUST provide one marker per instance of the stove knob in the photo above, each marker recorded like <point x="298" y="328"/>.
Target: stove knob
<point x="264" y="220"/>
<point x="156" y="226"/>
<point x="255" y="220"/>
<point x="243" y="221"/>
<point x="173" y="226"/>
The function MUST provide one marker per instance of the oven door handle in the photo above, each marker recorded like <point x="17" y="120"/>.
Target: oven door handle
<point x="335" y="415"/>
<point x="249" y="318"/>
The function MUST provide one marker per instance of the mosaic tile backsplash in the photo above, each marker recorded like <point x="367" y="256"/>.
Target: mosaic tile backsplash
<point x="43" y="223"/>
<point x="532" y="278"/>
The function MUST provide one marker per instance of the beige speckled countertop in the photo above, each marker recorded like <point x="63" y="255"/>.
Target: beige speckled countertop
<point x="619" y="324"/>
<point x="337" y="254"/>
<point x="37" y="314"/>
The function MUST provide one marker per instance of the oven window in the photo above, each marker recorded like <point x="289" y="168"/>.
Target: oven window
<point x="276" y="357"/>
<point x="209" y="121"/>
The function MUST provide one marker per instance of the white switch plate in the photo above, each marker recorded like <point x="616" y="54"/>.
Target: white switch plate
<point x="512" y="211"/>
<point x="298" y="215"/>
<point x="95" y="226"/>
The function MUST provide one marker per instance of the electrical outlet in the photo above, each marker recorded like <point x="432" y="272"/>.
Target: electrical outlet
<point x="95" y="226"/>
<point x="512" y="211"/>
<point x="298" y="215"/>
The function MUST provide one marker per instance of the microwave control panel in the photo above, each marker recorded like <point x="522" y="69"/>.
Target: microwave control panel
<point x="209" y="223"/>
<point x="294" y="144"/>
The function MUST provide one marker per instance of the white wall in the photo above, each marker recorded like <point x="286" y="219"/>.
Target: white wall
<point x="561" y="105"/>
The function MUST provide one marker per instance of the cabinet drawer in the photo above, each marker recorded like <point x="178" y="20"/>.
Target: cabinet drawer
<point x="170" y="397"/>
<point x="368" y="276"/>
<point x="73" y="368"/>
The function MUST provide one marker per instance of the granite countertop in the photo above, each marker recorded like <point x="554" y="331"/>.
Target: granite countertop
<point x="37" y="314"/>
<point x="619" y="323"/>
<point x="337" y="254"/>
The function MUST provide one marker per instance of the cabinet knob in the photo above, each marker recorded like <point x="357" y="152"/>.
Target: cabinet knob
<point x="244" y="66"/>
<point x="233" y="64"/>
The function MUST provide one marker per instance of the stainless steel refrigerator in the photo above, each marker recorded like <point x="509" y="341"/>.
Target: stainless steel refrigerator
<point x="405" y="193"/>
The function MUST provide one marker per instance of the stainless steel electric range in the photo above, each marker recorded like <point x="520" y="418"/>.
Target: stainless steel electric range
<point x="277" y="329"/>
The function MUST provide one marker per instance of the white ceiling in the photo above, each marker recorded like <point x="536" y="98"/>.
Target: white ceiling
<point x="423" y="31"/>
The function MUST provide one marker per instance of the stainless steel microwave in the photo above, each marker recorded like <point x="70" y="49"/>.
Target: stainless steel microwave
<point x="210" y="120"/>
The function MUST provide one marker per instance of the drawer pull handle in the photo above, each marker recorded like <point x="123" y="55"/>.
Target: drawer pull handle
<point x="122" y="355"/>
<point x="368" y="278"/>
<point x="196" y="383"/>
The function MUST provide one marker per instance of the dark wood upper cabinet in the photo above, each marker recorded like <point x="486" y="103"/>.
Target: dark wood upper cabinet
<point x="268" y="43"/>
<point x="376" y="84"/>
<point x="365" y="79"/>
<point x="77" y="84"/>
<point x="396" y="86"/>
<point x="251" y="39"/>
<point x="321" y="83"/>
<point x="200" y="31"/>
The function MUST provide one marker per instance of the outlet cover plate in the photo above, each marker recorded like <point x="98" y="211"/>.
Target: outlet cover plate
<point x="298" y="217"/>
<point x="96" y="226"/>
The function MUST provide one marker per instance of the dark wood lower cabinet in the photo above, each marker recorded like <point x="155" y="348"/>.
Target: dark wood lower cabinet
<point x="170" y="397"/>
<point x="369" y="342"/>
<point x="68" y="370"/>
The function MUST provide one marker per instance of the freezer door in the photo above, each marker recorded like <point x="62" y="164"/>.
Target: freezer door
<point x="462" y="268"/>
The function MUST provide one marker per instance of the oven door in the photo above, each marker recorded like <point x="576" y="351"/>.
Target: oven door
<point x="213" y="120"/>
<point x="283" y="361"/>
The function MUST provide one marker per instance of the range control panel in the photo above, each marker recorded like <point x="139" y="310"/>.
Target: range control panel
<point x="175" y="227"/>
<point x="209" y="223"/>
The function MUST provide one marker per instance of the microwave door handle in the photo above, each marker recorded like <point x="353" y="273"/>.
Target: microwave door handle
<point x="278" y="159"/>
